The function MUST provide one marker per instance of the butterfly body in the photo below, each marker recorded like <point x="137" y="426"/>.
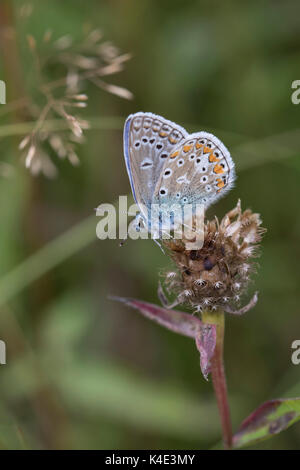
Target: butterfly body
<point x="168" y="167"/>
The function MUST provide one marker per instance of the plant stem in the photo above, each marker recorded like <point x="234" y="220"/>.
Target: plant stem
<point x="218" y="375"/>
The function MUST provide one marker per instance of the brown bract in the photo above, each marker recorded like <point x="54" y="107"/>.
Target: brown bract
<point x="217" y="275"/>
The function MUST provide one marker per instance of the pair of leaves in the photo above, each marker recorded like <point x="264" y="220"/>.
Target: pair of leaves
<point x="269" y="419"/>
<point x="182" y="323"/>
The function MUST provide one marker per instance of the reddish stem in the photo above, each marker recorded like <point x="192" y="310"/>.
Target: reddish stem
<point x="219" y="378"/>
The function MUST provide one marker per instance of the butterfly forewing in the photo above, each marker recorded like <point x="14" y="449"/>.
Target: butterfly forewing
<point x="148" y="142"/>
<point x="198" y="170"/>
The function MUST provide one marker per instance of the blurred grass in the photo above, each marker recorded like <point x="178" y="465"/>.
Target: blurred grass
<point x="83" y="372"/>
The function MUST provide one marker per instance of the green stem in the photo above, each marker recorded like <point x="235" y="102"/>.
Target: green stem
<point x="218" y="375"/>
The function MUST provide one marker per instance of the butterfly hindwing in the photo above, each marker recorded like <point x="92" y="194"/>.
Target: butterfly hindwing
<point x="148" y="142"/>
<point x="198" y="170"/>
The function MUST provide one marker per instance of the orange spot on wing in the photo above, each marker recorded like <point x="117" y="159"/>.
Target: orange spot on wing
<point x="173" y="141"/>
<point x="213" y="158"/>
<point x="218" y="169"/>
<point x="206" y="150"/>
<point x="198" y="146"/>
<point x="162" y="134"/>
<point x="174" y="154"/>
<point x="221" y="183"/>
<point x="187" y="148"/>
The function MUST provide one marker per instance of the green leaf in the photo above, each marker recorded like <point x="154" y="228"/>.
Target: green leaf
<point x="270" y="418"/>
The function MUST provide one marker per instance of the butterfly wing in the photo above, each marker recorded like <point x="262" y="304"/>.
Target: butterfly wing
<point x="199" y="170"/>
<point x="148" y="141"/>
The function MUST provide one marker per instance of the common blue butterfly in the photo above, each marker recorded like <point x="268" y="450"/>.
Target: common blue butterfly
<point x="168" y="166"/>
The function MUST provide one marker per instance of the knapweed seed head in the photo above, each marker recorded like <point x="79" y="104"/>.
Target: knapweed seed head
<point x="217" y="275"/>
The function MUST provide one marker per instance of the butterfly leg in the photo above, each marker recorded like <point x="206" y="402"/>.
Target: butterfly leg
<point x="139" y="222"/>
<point x="159" y="245"/>
<point x="136" y="225"/>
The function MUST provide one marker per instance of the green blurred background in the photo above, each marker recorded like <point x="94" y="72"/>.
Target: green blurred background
<point x="83" y="372"/>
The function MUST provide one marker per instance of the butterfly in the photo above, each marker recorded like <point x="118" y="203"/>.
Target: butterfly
<point x="167" y="166"/>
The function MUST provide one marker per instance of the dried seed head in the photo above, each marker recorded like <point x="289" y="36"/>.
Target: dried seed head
<point x="81" y="97"/>
<point x="171" y="275"/>
<point x="74" y="126"/>
<point x="188" y="293"/>
<point x="30" y="155"/>
<point x="218" y="285"/>
<point x="73" y="158"/>
<point x="198" y="309"/>
<point x="83" y="62"/>
<point x="24" y="142"/>
<point x="217" y="274"/>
